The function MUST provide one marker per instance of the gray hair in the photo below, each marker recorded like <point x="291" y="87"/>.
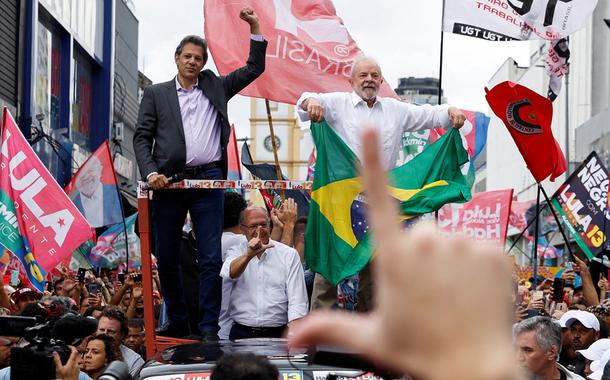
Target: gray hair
<point x="361" y="59"/>
<point x="548" y="332"/>
<point x="242" y="214"/>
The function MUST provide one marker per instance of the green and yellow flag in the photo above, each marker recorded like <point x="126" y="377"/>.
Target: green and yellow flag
<point x="337" y="242"/>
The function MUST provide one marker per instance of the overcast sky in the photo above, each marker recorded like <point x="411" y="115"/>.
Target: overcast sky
<point x="404" y="36"/>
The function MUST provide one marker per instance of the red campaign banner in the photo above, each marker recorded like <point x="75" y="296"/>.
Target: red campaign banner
<point x="485" y="217"/>
<point x="44" y="225"/>
<point x="309" y="47"/>
<point x="93" y="189"/>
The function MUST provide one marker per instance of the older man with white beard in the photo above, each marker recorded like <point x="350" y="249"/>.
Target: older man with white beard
<point x="348" y="113"/>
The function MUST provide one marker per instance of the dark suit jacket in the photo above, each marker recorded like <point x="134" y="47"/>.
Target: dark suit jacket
<point x="159" y="138"/>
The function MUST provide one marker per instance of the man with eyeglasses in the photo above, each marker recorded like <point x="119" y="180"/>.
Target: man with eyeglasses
<point x="268" y="288"/>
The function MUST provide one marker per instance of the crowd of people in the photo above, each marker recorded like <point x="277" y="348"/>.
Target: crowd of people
<point x="117" y="308"/>
<point x="569" y="325"/>
<point x="238" y="271"/>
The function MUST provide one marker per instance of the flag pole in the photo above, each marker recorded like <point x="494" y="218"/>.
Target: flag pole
<point x="440" y="79"/>
<point x="523" y="232"/>
<point x="563" y="233"/>
<point x="440" y="70"/>
<point x="278" y="170"/>
<point x="567" y="92"/>
<point x="118" y="191"/>
<point x="536" y="226"/>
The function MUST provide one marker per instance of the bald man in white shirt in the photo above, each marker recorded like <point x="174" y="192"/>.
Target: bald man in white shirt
<point x="268" y="286"/>
<point x="348" y="113"/>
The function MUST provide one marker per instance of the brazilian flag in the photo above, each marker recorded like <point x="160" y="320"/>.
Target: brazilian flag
<point x="337" y="242"/>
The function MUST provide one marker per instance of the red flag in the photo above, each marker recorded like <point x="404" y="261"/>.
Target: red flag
<point x="93" y="189"/>
<point x="233" y="157"/>
<point x="311" y="165"/>
<point x="517" y="221"/>
<point x="528" y="116"/>
<point x="485" y="217"/>
<point x="40" y="225"/>
<point x="309" y="47"/>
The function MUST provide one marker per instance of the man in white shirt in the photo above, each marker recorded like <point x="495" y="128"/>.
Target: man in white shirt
<point x="268" y="288"/>
<point x="348" y="114"/>
<point x="232" y="236"/>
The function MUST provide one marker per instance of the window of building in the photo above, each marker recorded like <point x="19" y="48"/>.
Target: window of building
<point x="48" y="76"/>
<point x="82" y="103"/>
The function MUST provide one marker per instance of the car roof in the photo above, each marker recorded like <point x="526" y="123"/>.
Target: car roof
<point x="197" y="360"/>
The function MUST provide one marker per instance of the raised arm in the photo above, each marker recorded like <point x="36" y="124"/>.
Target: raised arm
<point x="255" y="65"/>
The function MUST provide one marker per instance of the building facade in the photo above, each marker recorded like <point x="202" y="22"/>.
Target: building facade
<point x="68" y="76"/>
<point x="419" y="90"/>
<point x="10" y="34"/>
<point x="294" y="144"/>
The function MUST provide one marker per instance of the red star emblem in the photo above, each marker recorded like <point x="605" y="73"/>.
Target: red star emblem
<point x="61" y="222"/>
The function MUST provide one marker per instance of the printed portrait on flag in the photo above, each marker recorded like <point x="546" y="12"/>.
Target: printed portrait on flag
<point x="92" y="196"/>
<point x="94" y="191"/>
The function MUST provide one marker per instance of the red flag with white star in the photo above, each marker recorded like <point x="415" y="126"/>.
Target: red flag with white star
<point x="39" y="223"/>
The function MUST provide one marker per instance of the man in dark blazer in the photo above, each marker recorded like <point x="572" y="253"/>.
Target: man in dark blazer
<point x="183" y="129"/>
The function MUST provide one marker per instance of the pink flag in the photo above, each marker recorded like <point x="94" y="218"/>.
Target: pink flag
<point x="485" y="217"/>
<point x="309" y="47"/>
<point x="517" y="221"/>
<point x="93" y="189"/>
<point x="40" y="224"/>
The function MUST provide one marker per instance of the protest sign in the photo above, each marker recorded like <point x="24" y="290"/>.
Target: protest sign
<point x="485" y="217"/>
<point x="582" y="205"/>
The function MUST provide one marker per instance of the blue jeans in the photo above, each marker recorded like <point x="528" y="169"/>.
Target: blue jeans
<point x="206" y="207"/>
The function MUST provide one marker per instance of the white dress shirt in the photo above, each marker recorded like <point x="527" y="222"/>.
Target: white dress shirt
<point x="200" y="124"/>
<point x="348" y="115"/>
<point x="228" y="241"/>
<point x="271" y="291"/>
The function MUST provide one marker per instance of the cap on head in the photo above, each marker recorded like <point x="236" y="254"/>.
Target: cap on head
<point x="588" y="320"/>
<point x="596" y="349"/>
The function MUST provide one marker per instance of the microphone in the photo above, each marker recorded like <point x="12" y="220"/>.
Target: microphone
<point x="176" y="177"/>
<point x="171" y="179"/>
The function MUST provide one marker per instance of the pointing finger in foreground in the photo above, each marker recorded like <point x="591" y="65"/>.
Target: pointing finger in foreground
<point x="383" y="217"/>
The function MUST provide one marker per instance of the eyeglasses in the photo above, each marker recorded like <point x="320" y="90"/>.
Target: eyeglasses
<point x="252" y="227"/>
